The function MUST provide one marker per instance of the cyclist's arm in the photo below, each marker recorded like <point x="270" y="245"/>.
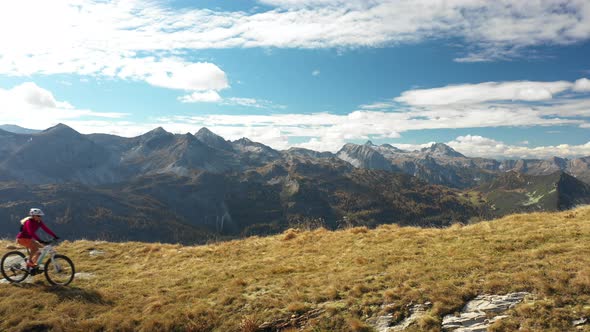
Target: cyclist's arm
<point x="46" y="229"/>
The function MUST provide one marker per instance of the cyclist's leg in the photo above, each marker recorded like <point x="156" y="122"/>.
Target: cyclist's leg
<point x="33" y="247"/>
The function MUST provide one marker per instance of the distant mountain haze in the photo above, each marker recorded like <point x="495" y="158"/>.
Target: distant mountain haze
<point x="440" y="164"/>
<point x="17" y="129"/>
<point x="61" y="154"/>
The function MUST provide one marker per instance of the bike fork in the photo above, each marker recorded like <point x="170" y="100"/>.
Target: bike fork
<point x="55" y="263"/>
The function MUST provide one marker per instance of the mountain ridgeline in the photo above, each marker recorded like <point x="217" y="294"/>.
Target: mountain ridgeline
<point x="189" y="188"/>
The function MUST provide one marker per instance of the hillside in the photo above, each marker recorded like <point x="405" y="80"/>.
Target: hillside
<point x="318" y="280"/>
<point x="516" y="192"/>
<point x="266" y="200"/>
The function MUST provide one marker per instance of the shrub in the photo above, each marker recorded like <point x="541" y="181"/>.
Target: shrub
<point x="357" y="325"/>
<point x="290" y="234"/>
<point x="359" y="230"/>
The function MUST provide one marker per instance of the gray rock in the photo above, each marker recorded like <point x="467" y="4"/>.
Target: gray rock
<point x="481" y="312"/>
<point x="494" y="303"/>
<point x="84" y="275"/>
<point x="383" y="323"/>
<point x="416" y="312"/>
<point x="466" y="319"/>
<point x="28" y="280"/>
<point x="96" y="253"/>
<point x="580" y="321"/>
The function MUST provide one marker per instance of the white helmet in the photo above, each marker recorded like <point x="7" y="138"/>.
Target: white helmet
<point x="36" y="212"/>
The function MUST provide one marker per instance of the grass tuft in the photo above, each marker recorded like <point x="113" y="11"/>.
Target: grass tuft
<point x="290" y="234"/>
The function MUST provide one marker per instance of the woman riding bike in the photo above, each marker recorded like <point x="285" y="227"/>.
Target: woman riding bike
<point x="28" y="237"/>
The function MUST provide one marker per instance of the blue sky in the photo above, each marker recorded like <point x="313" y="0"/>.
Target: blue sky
<point x="490" y="78"/>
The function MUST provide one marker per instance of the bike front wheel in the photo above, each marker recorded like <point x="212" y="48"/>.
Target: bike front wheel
<point x="14" y="266"/>
<point x="59" y="270"/>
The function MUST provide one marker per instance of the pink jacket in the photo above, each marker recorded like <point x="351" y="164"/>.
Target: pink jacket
<point x="30" y="227"/>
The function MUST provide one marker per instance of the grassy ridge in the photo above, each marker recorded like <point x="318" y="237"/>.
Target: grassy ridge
<point x="338" y="279"/>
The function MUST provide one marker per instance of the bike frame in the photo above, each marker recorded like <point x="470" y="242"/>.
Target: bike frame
<point x="47" y="250"/>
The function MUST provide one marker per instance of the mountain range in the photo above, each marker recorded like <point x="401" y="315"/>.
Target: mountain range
<point x="190" y="188"/>
<point x="440" y="164"/>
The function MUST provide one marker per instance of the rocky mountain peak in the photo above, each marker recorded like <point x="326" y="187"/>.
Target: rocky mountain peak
<point x="358" y="147"/>
<point x="188" y="137"/>
<point x="244" y="141"/>
<point x="155" y="139"/>
<point x="391" y="147"/>
<point x="560" y="162"/>
<point x="365" y="156"/>
<point x="441" y="149"/>
<point x="156" y="132"/>
<point x="60" y="130"/>
<point x="254" y="152"/>
<point x="204" y="132"/>
<point x="213" y="140"/>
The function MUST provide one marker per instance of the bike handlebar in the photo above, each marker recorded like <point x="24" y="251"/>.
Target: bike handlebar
<point x="51" y="242"/>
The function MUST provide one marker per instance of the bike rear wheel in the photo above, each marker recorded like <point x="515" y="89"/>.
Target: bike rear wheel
<point x="14" y="266"/>
<point x="59" y="270"/>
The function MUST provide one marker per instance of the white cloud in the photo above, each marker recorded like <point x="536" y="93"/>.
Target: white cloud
<point x="201" y="97"/>
<point x="484" y="92"/>
<point x="278" y="137"/>
<point x="582" y="85"/>
<point x="185" y="76"/>
<point x="426" y="109"/>
<point x="494" y="104"/>
<point x="479" y="146"/>
<point x="330" y="131"/>
<point x="147" y="40"/>
<point x="485" y="147"/>
<point x="315" y="73"/>
<point x="34" y="96"/>
<point x="377" y="106"/>
<point x="316" y="3"/>
<point x="31" y="106"/>
<point x="438" y="108"/>
<point x="251" y="102"/>
<point x="212" y="96"/>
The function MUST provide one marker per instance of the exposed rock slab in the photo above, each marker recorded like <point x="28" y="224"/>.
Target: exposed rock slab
<point x="481" y="312"/>
<point x="28" y="280"/>
<point x="384" y="323"/>
<point x="84" y="275"/>
<point x="96" y="252"/>
<point x="416" y="312"/>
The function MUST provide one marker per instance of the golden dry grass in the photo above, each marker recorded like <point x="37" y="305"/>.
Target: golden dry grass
<point x="344" y="276"/>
